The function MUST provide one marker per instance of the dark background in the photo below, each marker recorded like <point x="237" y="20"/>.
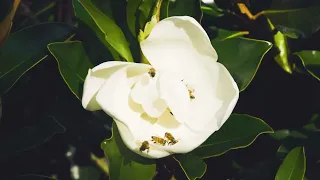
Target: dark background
<point x="282" y="100"/>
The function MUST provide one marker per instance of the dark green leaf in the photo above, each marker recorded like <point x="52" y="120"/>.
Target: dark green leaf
<point x="88" y="173"/>
<point x="145" y="10"/>
<point x="239" y="131"/>
<point x="34" y="177"/>
<point x="212" y="10"/>
<point x="311" y="61"/>
<point x="280" y="134"/>
<point x="294" y="23"/>
<point x="26" y="48"/>
<point x="125" y="164"/>
<point x="221" y="34"/>
<point x="193" y="166"/>
<point x="185" y="8"/>
<point x="113" y="34"/>
<point x="83" y="15"/>
<point x="73" y="64"/>
<point x="242" y="57"/>
<point x="294" y="165"/>
<point x="132" y="7"/>
<point x="29" y="137"/>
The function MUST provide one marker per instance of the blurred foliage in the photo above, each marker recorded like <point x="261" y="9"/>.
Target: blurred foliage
<point x="51" y="44"/>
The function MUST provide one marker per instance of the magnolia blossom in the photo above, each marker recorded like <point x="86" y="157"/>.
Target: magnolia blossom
<point x="175" y="103"/>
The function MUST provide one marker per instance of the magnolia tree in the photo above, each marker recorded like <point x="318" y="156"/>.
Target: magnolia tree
<point x="159" y="89"/>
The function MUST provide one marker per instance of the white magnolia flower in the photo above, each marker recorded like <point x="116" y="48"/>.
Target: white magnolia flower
<point x="184" y="92"/>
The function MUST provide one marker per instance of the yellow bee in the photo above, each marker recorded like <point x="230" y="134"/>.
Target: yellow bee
<point x="159" y="140"/>
<point x="171" y="139"/>
<point x="152" y="72"/>
<point x="190" y="94"/>
<point x="144" y="146"/>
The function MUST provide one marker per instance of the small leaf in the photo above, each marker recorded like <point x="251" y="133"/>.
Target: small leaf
<point x="294" y="165"/>
<point x="180" y="8"/>
<point x="281" y="43"/>
<point x="83" y="15"/>
<point x="239" y="131"/>
<point x="6" y="22"/>
<point x="311" y="61"/>
<point x="125" y="164"/>
<point x="280" y="134"/>
<point x="132" y="7"/>
<point x="29" y="137"/>
<point x="193" y="166"/>
<point x="113" y="34"/>
<point x="242" y="57"/>
<point x="18" y="56"/>
<point x="73" y="64"/>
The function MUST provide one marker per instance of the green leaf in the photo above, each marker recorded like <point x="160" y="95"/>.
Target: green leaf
<point x="311" y="61"/>
<point x="218" y="34"/>
<point x="193" y="166"/>
<point x="239" y="131"/>
<point x="33" y="177"/>
<point x="113" y="34"/>
<point x="73" y="64"/>
<point x="295" y="23"/>
<point x="242" y="57"/>
<point x="185" y="8"/>
<point x="88" y="173"/>
<point x="145" y="10"/>
<point x="294" y="165"/>
<point x="26" y="48"/>
<point x="7" y="12"/>
<point x="280" y="134"/>
<point x="125" y="164"/>
<point x="132" y="8"/>
<point x="212" y="10"/>
<point x="83" y="15"/>
<point x="29" y="137"/>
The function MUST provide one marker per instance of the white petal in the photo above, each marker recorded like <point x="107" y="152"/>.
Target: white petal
<point x="130" y="142"/>
<point x="228" y="93"/>
<point x="95" y="79"/>
<point x="155" y="108"/>
<point x="175" y="94"/>
<point x="114" y="98"/>
<point x="180" y="49"/>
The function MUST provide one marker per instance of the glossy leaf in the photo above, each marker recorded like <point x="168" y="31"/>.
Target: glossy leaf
<point x="73" y="64"/>
<point x="185" y="8"/>
<point x="221" y="34"/>
<point x="239" y="131"/>
<point x="132" y="8"/>
<point x="295" y="23"/>
<point x="293" y="166"/>
<point x="113" y="34"/>
<point x="242" y="57"/>
<point x="84" y="16"/>
<point x="311" y="61"/>
<point x="28" y="137"/>
<point x="17" y="56"/>
<point x="212" y="10"/>
<point x="193" y="166"/>
<point x="6" y="21"/>
<point x="125" y="164"/>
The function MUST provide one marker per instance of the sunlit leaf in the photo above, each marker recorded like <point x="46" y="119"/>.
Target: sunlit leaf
<point x="18" y="56"/>
<point x="193" y="166"/>
<point x="239" y="131"/>
<point x="293" y="166"/>
<point x="125" y="164"/>
<point x="84" y="16"/>
<point x="73" y="64"/>
<point x="113" y="34"/>
<point x="311" y="61"/>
